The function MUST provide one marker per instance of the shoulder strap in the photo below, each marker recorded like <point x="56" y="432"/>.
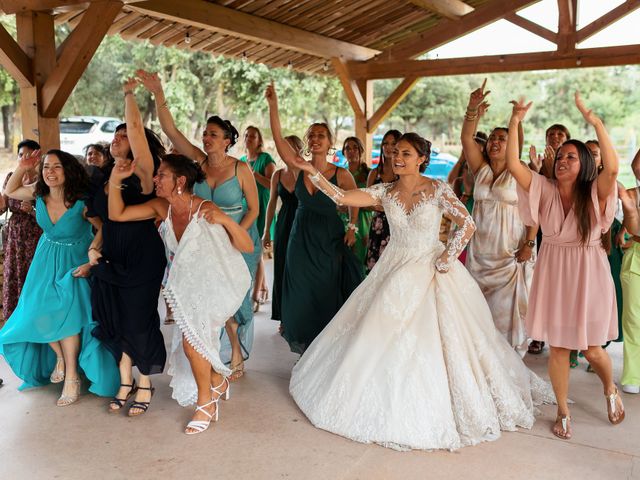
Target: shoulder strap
<point x="199" y="206"/>
<point x="236" y="170"/>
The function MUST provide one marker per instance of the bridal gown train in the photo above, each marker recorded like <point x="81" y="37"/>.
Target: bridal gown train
<point x="413" y="359"/>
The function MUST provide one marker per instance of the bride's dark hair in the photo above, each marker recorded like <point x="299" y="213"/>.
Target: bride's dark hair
<point x="182" y="166"/>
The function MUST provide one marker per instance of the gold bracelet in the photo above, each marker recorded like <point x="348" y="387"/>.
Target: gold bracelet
<point x="128" y="92"/>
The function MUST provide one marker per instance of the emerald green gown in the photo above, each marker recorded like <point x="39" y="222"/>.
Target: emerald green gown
<point x="320" y="270"/>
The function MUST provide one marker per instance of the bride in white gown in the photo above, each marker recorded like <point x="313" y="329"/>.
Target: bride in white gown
<point x="413" y="359"/>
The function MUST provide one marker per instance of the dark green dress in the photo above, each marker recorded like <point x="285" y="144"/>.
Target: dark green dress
<point x="615" y="261"/>
<point x="363" y="222"/>
<point x="260" y="165"/>
<point x="284" y="224"/>
<point x="320" y="270"/>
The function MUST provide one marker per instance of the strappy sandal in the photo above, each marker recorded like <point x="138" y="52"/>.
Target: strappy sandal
<point x="66" y="400"/>
<point x="565" y="433"/>
<point x="237" y="371"/>
<point x="264" y="296"/>
<point x="224" y="394"/>
<point x="199" y="426"/>
<point x="573" y="359"/>
<point x="120" y="402"/>
<point x="57" y="376"/>
<point x="141" y="406"/>
<point x="611" y="408"/>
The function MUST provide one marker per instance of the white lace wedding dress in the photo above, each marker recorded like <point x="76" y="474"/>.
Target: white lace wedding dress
<point x="207" y="282"/>
<point x="413" y="359"/>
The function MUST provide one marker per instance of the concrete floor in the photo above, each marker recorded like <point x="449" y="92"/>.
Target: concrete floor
<point x="262" y="435"/>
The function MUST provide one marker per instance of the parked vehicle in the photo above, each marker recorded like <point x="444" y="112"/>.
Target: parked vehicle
<point x="78" y="132"/>
<point x="440" y="164"/>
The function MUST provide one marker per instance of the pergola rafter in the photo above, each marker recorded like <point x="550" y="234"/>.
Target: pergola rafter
<point x="356" y="40"/>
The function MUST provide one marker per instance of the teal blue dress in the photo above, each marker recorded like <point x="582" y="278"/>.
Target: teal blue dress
<point x="230" y="198"/>
<point x="54" y="305"/>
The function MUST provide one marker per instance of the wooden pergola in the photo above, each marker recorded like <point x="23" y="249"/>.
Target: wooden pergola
<point x="357" y="40"/>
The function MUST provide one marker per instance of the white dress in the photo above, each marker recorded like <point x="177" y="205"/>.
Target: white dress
<point x="206" y="284"/>
<point x="413" y="359"/>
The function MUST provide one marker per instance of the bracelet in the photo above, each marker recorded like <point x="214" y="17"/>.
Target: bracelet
<point x="128" y="92"/>
<point x="163" y="105"/>
<point x="315" y="176"/>
<point x="530" y="243"/>
<point x="352" y="226"/>
<point x="116" y="185"/>
<point x="93" y="248"/>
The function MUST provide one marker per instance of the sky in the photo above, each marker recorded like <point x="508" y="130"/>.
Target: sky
<point x="503" y="37"/>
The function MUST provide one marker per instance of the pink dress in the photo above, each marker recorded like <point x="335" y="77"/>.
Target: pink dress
<point x="572" y="303"/>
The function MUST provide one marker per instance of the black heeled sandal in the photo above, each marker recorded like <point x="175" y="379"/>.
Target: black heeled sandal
<point x="120" y="402"/>
<point x="142" y="406"/>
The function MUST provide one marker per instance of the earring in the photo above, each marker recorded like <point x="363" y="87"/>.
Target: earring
<point x="306" y="152"/>
<point x="179" y="191"/>
<point x="332" y="151"/>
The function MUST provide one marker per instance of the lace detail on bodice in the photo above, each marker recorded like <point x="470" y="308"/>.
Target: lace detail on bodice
<point x="418" y="227"/>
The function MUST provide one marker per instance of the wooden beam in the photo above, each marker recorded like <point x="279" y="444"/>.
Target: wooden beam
<point x="76" y="54"/>
<point x="391" y="102"/>
<point x="14" y="60"/>
<point x="36" y="37"/>
<point x="351" y="89"/>
<point x="532" y="27"/>
<point x="588" y="57"/>
<point x="361" y="124"/>
<point x="448" y="30"/>
<point x="15" y="6"/>
<point x="452" y="9"/>
<point x="607" y="19"/>
<point x="567" y="13"/>
<point x="213" y="17"/>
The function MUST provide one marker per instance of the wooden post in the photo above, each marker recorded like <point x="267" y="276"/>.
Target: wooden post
<point x="362" y="121"/>
<point x="36" y="37"/>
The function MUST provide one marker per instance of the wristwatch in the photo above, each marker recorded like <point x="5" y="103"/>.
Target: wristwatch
<point x="530" y="243"/>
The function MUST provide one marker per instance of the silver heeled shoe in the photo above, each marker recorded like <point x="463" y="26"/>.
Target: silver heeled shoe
<point x="66" y="400"/>
<point x="57" y="375"/>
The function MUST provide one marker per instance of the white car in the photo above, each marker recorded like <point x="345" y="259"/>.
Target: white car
<point x="78" y="132"/>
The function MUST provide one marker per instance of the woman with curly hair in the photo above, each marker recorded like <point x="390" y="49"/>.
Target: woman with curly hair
<point x="230" y="184"/>
<point x="199" y="252"/>
<point x="48" y="338"/>
<point x="22" y="235"/>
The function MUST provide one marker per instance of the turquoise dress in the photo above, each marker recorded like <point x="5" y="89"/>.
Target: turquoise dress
<point x="54" y="305"/>
<point x="230" y="198"/>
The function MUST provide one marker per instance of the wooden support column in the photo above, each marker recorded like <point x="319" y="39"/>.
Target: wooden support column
<point x="47" y="76"/>
<point x="36" y="38"/>
<point x="567" y="13"/>
<point x="363" y="132"/>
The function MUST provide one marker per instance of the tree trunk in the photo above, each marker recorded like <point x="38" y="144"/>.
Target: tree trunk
<point x="7" y="125"/>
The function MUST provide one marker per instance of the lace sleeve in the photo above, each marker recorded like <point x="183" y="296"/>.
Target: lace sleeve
<point x="454" y="209"/>
<point x="335" y="193"/>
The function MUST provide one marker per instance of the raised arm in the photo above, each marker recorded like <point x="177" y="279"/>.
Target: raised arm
<point x="152" y="83"/>
<point x="14" y="188"/>
<point x="119" y="212"/>
<point x="520" y="172"/>
<point x="271" y="209"/>
<point x="610" y="163"/>
<point x="473" y="155"/>
<point x="285" y="150"/>
<point x="137" y="138"/>
<point x="455" y="210"/>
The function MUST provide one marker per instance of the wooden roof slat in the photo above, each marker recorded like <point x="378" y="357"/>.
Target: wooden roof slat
<point x="211" y="16"/>
<point x="123" y="22"/>
<point x="158" y="27"/>
<point x="131" y="31"/>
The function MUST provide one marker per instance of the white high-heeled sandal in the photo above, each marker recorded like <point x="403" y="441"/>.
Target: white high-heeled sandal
<point x="57" y="376"/>
<point x="226" y="393"/>
<point x="199" y="426"/>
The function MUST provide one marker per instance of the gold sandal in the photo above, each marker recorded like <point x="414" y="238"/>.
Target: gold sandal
<point x="237" y="371"/>
<point x="611" y="408"/>
<point x="57" y="376"/>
